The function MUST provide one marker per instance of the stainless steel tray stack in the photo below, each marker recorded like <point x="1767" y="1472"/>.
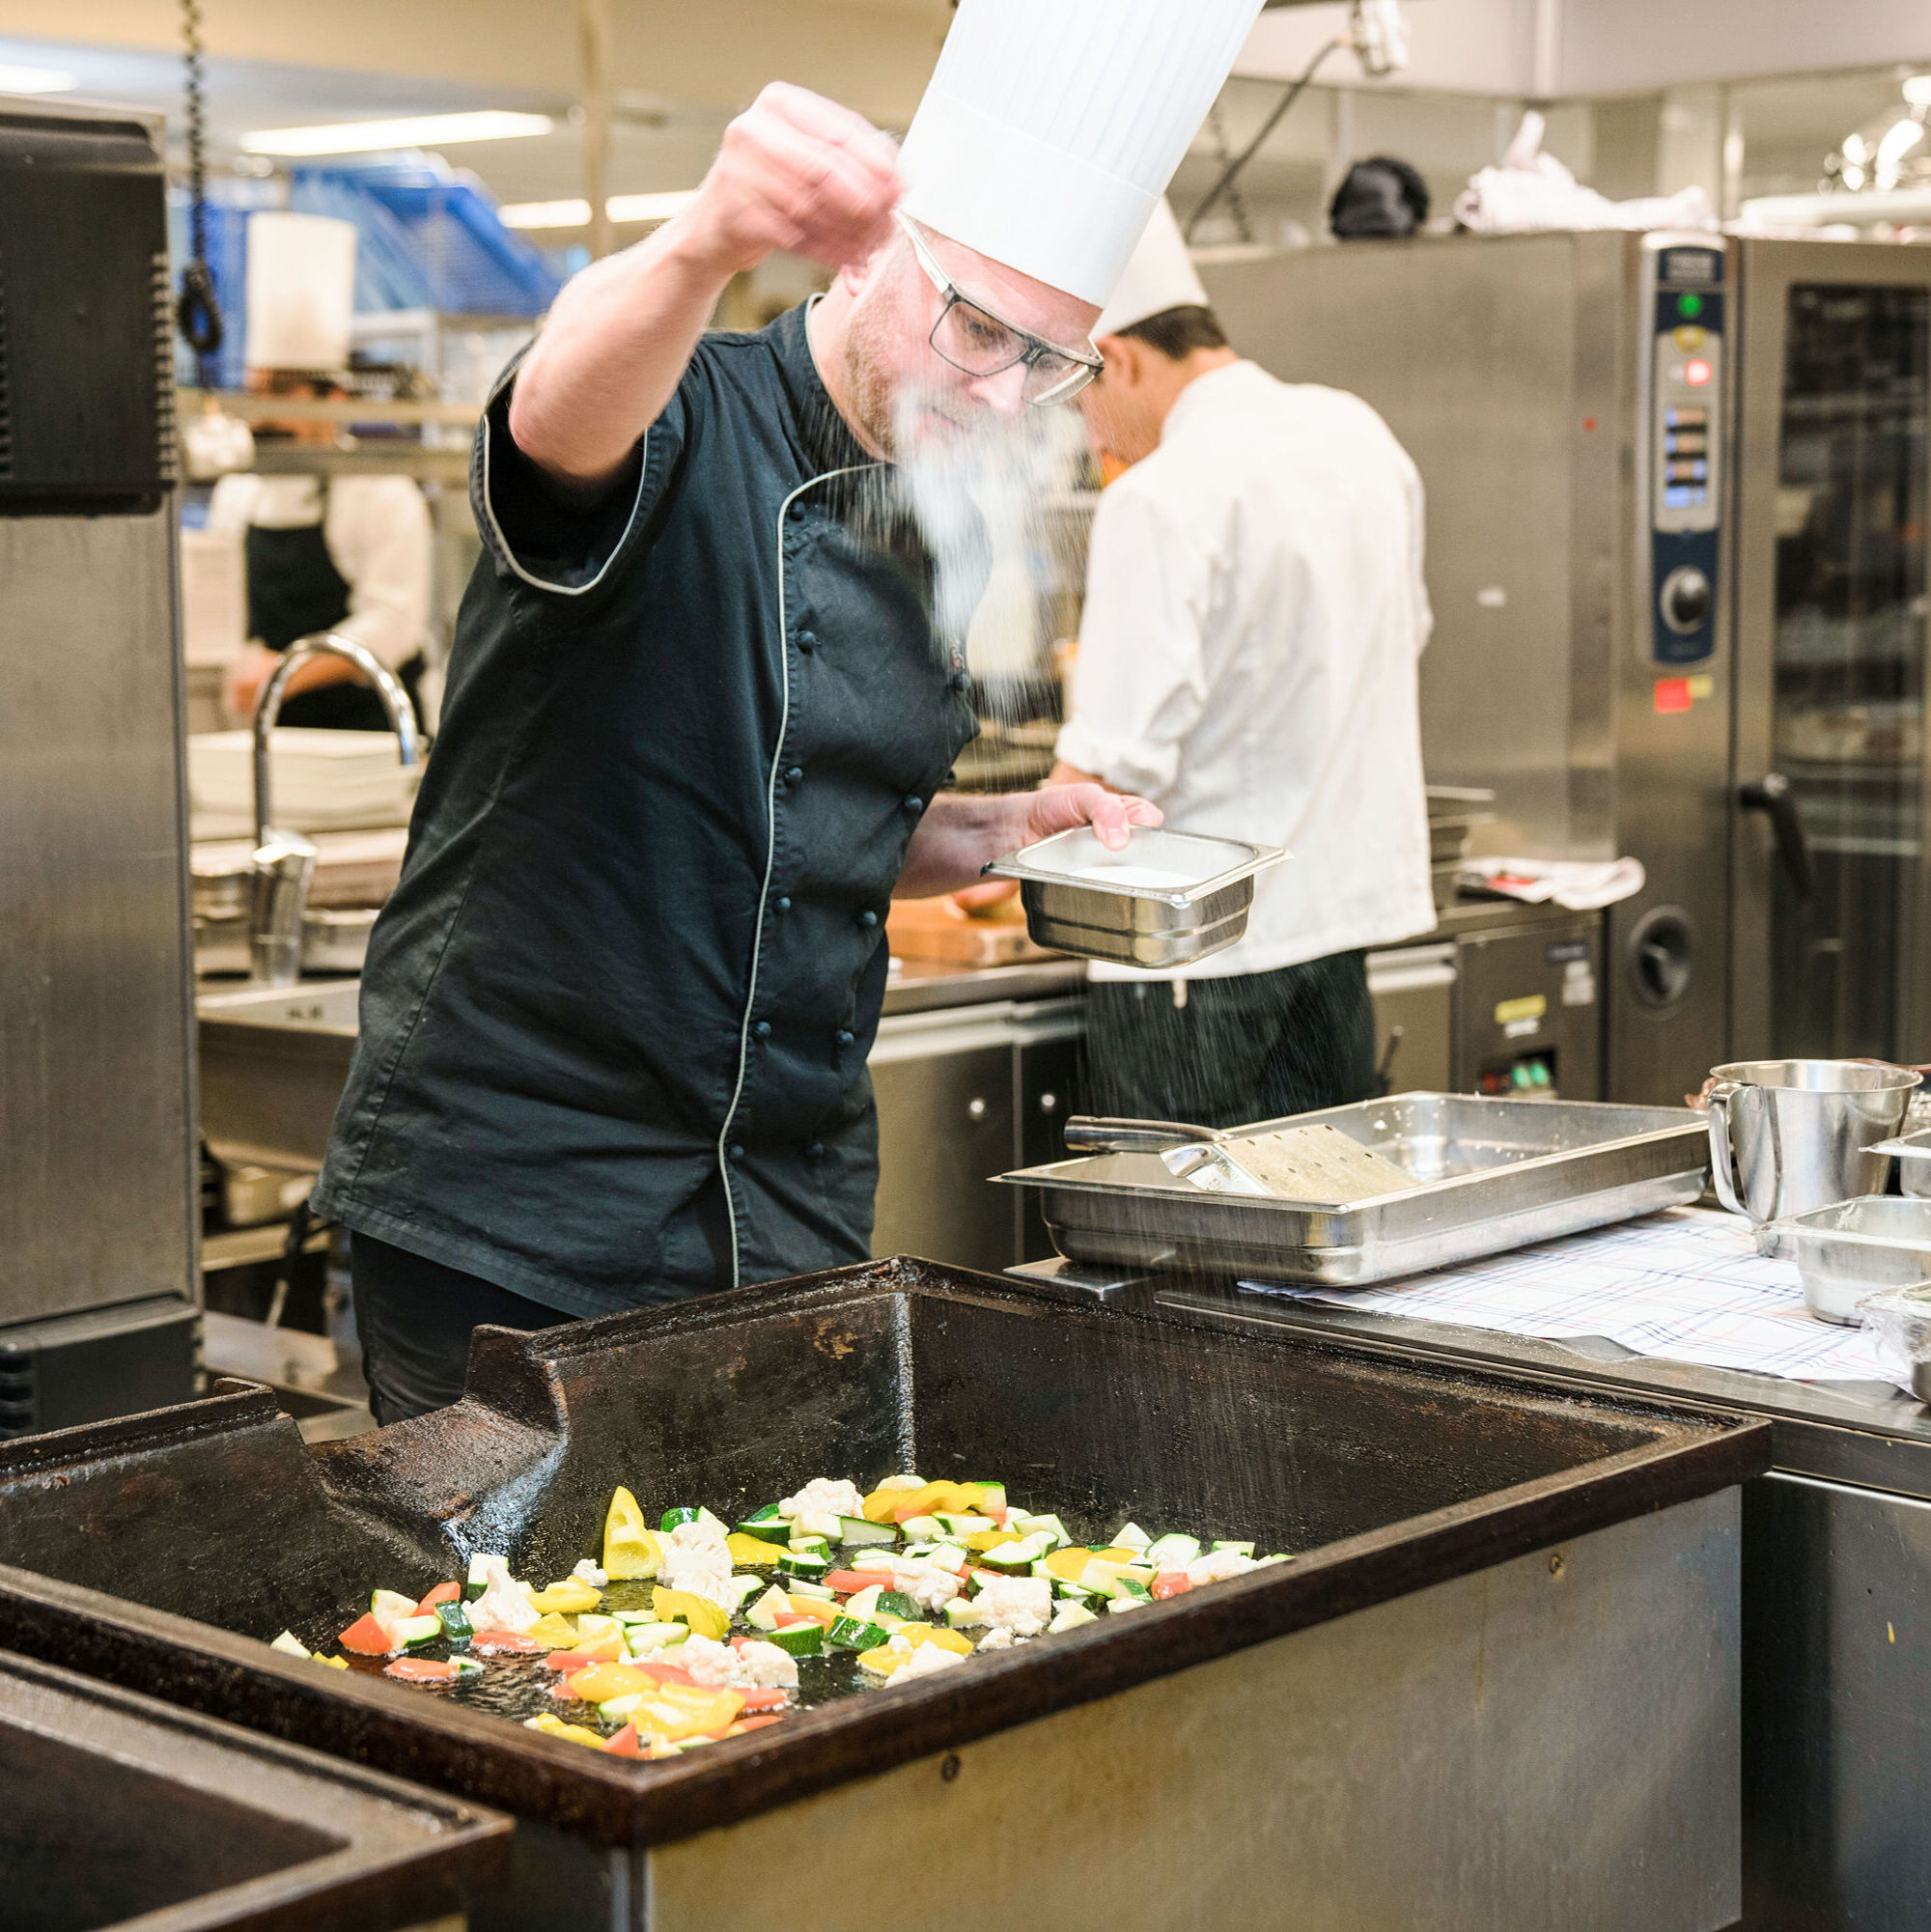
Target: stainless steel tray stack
<point x="1496" y="1174"/>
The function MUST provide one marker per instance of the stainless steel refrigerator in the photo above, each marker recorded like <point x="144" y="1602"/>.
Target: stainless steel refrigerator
<point x="1676" y="502"/>
<point x="98" y="1183"/>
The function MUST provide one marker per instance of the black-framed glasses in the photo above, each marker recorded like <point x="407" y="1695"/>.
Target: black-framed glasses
<point x="978" y="341"/>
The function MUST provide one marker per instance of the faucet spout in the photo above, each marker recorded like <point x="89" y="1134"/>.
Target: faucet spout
<point x="284" y="862"/>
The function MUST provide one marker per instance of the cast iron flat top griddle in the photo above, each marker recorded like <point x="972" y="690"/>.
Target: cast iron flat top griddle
<point x="164" y="1551"/>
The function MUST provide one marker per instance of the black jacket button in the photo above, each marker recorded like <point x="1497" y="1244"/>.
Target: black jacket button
<point x="816" y="1151"/>
<point x="868" y="919"/>
<point x="736" y="1150"/>
<point x="807" y="640"/>
<point x="763" y="1029"/>
<point x="783" y="905"/>
<point x="914" y="805"/>
<point x="845" y="1036"/>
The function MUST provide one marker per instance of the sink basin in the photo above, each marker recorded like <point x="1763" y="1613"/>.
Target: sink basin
<point x="273" y="1063"/>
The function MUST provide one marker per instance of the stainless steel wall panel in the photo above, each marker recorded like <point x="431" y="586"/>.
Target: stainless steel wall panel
<point x="97" y="1184"/>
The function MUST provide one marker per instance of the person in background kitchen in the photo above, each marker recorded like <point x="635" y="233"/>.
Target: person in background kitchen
<point x="1248" y="657"/>
<point x="698" y="724"/>
<point x="347" y="553"/>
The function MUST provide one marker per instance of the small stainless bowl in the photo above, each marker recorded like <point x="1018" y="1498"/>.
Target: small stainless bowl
<point x="1854" y="1249"/>
<point x="1167" y="899"/>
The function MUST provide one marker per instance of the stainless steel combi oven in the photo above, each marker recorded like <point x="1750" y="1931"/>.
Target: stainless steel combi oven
<point x="1677" y="491"/>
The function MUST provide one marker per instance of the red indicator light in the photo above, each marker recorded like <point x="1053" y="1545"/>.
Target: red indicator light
<point x="1588" y="421"/>
<point x="1696" y="372"/>
<point x="1672" y="694"/>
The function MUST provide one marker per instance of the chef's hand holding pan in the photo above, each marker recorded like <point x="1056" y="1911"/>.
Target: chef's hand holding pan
<point x="796" y="172"/>
<point x="1061" y="808"/>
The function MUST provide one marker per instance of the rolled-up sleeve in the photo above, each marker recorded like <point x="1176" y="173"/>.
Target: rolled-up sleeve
<point x="1139" y="684"/>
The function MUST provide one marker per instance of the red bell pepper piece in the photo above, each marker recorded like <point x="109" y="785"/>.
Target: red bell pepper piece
<point x="504" y="1643"/>
<point x="443" y="1593"/>
<point x="369" y="1636"/>
<point x="568" y="1661"/>
<point x="846" y="1581"/>
<point x="625" y="1743"/>
<point x="763" y="1700"/>
<point x="667" y="1673"/>
<point x="420" y="1670"/>
<point x="785" y="1619"/>
<point x="753" y="1724"/>
<point x="1169" y="1583"/>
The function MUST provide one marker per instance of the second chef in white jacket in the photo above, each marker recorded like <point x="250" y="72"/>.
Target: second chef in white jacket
<point x="1248" y="652"/>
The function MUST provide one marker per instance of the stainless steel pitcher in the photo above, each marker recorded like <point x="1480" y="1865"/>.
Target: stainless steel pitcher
<point x="1789" y="1136"/>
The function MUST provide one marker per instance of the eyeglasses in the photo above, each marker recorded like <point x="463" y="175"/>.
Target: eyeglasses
<point x="977" y="342"/>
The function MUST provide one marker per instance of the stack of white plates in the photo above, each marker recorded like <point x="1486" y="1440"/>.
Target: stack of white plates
<point x="319" y="781"/>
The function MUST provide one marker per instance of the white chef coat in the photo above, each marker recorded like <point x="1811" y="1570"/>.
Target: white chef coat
<point x="377" y="534"/>
<point x="1247" y="658"/>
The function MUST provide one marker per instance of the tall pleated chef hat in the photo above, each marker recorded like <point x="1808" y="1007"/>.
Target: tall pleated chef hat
<point x="1051" y="127"/>
<point x="1159" y="275"/>
<point x="301" y="290"/>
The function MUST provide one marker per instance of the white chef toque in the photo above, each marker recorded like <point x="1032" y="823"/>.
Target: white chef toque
<point x="1051" y="127"/>
<point x="1160" y="276"/>
<point x="301" y="290"/>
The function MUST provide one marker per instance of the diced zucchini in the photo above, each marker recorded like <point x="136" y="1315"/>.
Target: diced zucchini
<point x="850" y="1633"/>
<point x="922" y="1530"/>
<point x="993" y="1494"/>
<point x="290" y="1646"/>
<point x="390" y="1605"/>
<point x="958" y="1527"/>
<point x="895" y="1602"/>
<point x="455" y="1621"/>
<point x="467" y="1666"/>
<point x="478" y="1578"/>
<point x="617" y="1710"/>
<point x="862" y="1603"/>
<point x="1042" y="1525"/>
<point x="1239" y="1548"/>
<point x="1172" y="1553"/>
<point x="808" y="1541"/>
<point x="811" y="1563"/>
<point x="770" y="1513"/>
<point x="964" y="1613"/>
<point x="800" y="1640"/>
<point x="947" y="1557"/>
<point x="1119" y="1603"/>
<point x="763" y="1615"/>
<point x="590" y="1625"/>
<point x="673" y="1519"/>
<point x="1070" y="1616"/>
<point x="1261" y="1563"/>
<point x="746" y="1587"/>
<point x="825" y="1523"/>
<point x="1131" y="1537"/>
<point x="1073" y="1592"/>
<point x="713" y="1524"/>
<point x="859" y="1534"/>
<point x="770" y="1529"/>
<point x="649" y="1636"/>
<point x="803" y="1586"/>
<point x="411" y="1632"/>
<point x="1016" y="1559"/>
<point x="1126" y="1590"/>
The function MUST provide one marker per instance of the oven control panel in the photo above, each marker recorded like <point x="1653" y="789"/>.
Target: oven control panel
<point x="1685" y="436"/>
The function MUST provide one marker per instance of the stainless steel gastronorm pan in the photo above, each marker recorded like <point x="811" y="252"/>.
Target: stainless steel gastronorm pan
<point x="1913" y="1152"/>
<point x="1499" y="1174"/>
<point x="1856" y="1248"/>
<point x="1082" y="897"/>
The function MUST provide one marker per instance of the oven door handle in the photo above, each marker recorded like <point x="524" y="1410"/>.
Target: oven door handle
<point x="1771" y="796"/>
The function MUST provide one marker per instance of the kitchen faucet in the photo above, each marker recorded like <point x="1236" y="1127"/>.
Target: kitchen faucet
<point x="284" y="862"/>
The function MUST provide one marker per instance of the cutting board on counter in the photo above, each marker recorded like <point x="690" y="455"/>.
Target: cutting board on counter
<point x="936" y="929"/>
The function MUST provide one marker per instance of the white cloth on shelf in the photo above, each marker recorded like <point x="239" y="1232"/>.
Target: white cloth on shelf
<point x="1247" y="658"/>
<point x="1578" y="886"/>
<point x="1528" y="191"/>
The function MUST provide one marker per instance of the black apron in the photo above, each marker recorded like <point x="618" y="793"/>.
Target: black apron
<point x="616" y="1016"/>
<point x="293" y="591"/>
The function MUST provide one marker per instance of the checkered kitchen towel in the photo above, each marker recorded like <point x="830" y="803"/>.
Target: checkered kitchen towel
<point x="1687" y="1284"/>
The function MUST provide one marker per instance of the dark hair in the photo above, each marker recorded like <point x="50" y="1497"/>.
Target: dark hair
<point x="1380" y="198"/>
<point x="1178" y="332"/>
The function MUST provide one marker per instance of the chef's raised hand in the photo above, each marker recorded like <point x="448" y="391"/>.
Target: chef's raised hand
<point x="797" y="172"/>
<point x="961" y="834"/>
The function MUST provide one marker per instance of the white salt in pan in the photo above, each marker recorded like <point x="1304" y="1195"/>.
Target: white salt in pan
<point x="1141" y="877"/>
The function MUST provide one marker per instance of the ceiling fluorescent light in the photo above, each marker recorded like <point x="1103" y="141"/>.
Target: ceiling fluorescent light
<point x="422" y="131"/>
<point x="576" y="214"/>
<point x="35" y="80"/>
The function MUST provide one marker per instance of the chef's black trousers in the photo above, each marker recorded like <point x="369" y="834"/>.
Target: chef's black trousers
<point x="1244" y="1048"/>
<point x="415" y="1317"/>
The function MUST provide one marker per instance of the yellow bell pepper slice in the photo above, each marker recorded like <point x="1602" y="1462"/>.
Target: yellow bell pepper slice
<point x="827" y="1613"/>
<point x="705" y="1618"/>
<point x="630" y="1549"/>
<point x="569" y="1594"/>
<point x="953" y="1640"/>
<point x="555" y="1727"/>
<point x="991" y="1539"/>
<point x="555" y="1632"/>
<point x="598" y="1683"/>
<point x="751" y="1553"/>
<point x="897" y="1506"/>
<point x="674" y="1712"/>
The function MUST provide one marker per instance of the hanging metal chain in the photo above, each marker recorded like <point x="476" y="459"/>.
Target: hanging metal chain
<point x="197" y="311"/>
<point x="1237" y="204"/>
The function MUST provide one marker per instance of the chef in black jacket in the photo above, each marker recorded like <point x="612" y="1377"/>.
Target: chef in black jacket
<point x="696" y="733"/>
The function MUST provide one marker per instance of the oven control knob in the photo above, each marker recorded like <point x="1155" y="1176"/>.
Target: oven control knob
<point x="1684" y="600"/>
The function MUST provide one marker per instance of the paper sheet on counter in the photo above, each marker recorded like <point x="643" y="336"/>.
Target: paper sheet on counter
<point x="1685" y="1285"/>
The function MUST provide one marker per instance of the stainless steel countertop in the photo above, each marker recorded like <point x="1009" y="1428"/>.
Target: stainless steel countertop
<point x="925" y="986"/>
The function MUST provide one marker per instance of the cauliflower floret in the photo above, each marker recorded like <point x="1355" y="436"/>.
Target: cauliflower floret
<point x="708" y="1661"/>
<point x="1217" y="1566"/>
<point x="502" y="1606"/>
<point x="765" y="1666"/>
<point x="591" y="1574"/>
<point x="902" y="1482"/>
<point x="824" y="1495"/>
<point x="997" y="1638"/>
<point x="1022" y="1605"/>
<point x="697" y="1559"/>
<point x="924" y="1661"/>
<point x="928" y="1584"/>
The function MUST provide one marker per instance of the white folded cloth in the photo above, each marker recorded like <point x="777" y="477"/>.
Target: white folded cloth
<point x="1580" y="885"/>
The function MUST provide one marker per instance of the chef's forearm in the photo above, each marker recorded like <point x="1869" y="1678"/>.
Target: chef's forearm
<point x="954" y="840"/>
<point x="610" y="355"/>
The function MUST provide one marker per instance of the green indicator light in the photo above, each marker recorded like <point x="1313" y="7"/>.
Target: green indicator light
<point x="1688" y="307"/>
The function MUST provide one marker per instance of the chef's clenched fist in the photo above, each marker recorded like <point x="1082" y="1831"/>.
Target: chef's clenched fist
<point x="797" y="171"/>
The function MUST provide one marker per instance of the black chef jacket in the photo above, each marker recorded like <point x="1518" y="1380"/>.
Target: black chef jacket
<point x="615" y="1018"/>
